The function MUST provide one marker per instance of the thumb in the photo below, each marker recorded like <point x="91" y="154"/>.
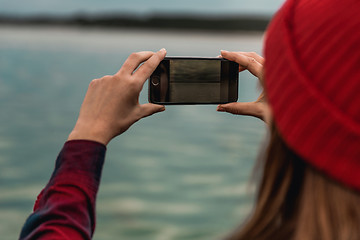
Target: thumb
<point x="239" y="108"/>
<point x="149" y="109"/>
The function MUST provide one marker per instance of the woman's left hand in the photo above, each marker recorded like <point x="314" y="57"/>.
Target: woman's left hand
<point x="255" y="64"/>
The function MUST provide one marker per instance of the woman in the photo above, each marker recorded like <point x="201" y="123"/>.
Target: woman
<point x="311" y="174"/>
<point x="310" y="181"/>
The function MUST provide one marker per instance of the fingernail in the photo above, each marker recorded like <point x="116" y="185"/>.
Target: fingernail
<point x="220" y="109"/>
<point x="162" y="109"/>
<point x="224" y="51"/>
<point x="162" y="50"/>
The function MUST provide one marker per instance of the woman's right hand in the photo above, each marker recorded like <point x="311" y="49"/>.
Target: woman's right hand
<point x="254" y="64"/>
<point x="111" y="104"/>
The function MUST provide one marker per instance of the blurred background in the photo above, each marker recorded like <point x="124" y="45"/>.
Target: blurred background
<point x="181" y="174"/>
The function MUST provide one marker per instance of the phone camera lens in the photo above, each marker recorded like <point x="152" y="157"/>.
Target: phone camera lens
<point x="155" y="80"/>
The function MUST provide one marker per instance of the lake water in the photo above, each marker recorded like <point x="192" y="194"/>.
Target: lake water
<point x="181" y="174"/>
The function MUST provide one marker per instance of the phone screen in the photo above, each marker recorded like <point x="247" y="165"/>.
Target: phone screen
<point x="200" y="82"/>
<point x="193" y="81"/>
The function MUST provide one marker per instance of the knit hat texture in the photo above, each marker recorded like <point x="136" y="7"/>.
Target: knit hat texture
<point x="312" y="80"/>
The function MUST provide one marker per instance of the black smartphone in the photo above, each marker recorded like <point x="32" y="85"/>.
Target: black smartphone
<point x="194" y="80"/>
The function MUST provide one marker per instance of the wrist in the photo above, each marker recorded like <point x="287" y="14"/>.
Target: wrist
<point x="89" y="132"/>
<point x="264" y="112"/>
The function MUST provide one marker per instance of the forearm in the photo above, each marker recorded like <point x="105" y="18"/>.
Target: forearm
<point x="65" y="209"/>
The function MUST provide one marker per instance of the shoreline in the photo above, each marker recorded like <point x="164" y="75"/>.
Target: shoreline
<point x="159" y="22"/>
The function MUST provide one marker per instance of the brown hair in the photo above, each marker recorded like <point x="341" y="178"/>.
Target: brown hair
<point x="297" y="202"/>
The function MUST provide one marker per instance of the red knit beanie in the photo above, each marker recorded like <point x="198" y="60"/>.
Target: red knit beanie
<point x="312" y="80"/>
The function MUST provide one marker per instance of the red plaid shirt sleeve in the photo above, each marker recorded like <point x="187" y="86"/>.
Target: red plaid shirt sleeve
<point x="65" y="208"/>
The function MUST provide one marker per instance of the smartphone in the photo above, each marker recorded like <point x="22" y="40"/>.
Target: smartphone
<point x="194" y="80"/>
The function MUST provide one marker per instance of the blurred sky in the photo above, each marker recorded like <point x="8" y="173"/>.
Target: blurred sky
<point x="259" y="7"/>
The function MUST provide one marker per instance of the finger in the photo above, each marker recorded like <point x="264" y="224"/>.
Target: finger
<point x="149" y="109"/>
<point x="243" y="60"/>
<point x="241" y="108"/>
<point x="257" y="57"/>
<point x="133" y="61"/>
<point x="249" y="63"/>
<point x="241" y="68"/>
<point x="150" y="65"/>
